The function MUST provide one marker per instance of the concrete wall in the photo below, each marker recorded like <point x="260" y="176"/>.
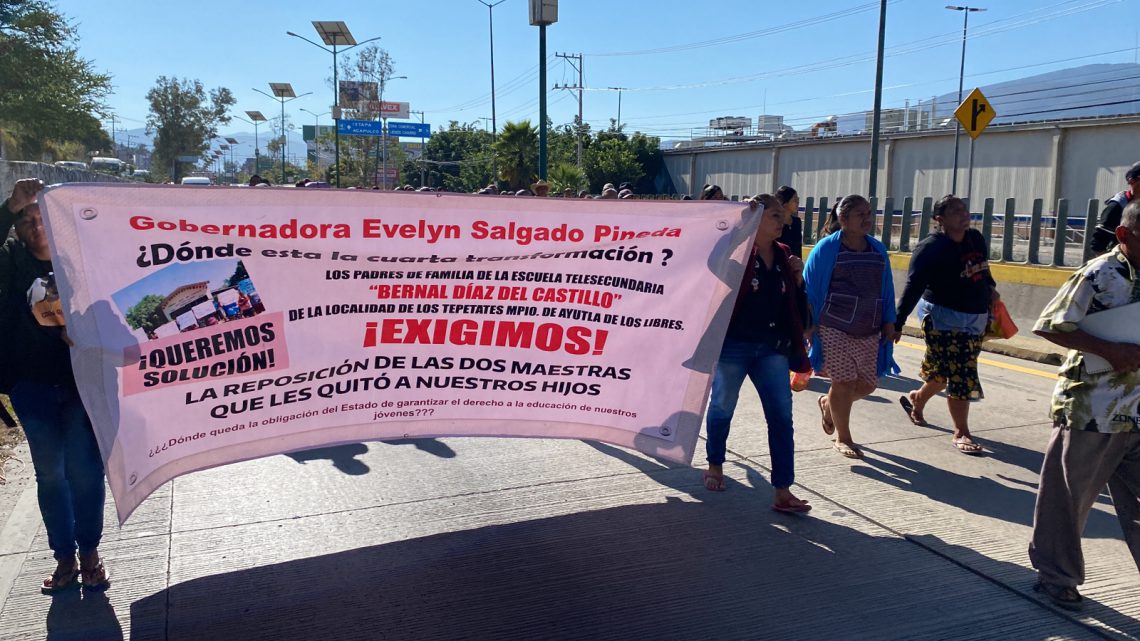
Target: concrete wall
<point x="1075" y="160"/>
<point x="11" y="171"/>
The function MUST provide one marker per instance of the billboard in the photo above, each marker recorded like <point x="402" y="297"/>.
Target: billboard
<point x="353" y="92"/>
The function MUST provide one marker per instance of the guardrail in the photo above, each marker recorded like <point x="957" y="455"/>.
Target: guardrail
<point x="1058" y="238"/>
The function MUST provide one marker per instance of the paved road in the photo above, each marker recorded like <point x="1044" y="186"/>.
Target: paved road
<point x="530" y="539"/>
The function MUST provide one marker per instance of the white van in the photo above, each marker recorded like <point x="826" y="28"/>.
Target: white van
<point x="108" y="165"/>
<point x="196" y="180"/>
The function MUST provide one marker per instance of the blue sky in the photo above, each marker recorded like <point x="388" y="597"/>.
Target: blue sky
<point x="802" y="60"/>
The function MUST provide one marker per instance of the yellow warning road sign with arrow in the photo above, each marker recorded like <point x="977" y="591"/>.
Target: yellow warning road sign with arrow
<point x="975" y="113"/>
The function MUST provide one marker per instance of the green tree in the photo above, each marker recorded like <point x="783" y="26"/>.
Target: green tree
<point x="647" y="150"/>
<point x="516" y="152"/>
<point x="456" y="159"/>
<point x="145" y="314"/>
<point x="48" y="93"/>
<point x="184" y="118"/>
<point x="611" y="161"/>
<point x="360" y="155"/>
<point x="565" y="175"/>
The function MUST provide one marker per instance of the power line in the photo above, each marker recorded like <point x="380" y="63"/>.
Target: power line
<point x="791" y="26"/>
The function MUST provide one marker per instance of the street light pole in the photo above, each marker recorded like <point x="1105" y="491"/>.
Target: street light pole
<point x="334" y="33"/>
<point x="494" y="125"/>
<point x="423" y="148"/>
<point x="282" y="91"/>
<point x="966" y="11"/>
<point x="542" y="101"/>
<point x="873" y="184"/>
<point x="384" y="125"/>
<point x="316" y="133"/>
<point x="256" y="118"/>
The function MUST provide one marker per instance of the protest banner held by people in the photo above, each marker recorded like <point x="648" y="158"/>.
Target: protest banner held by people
<point x="36" y="372"/>
<point x="765" y="338"/>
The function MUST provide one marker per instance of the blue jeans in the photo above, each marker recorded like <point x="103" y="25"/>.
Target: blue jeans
<point x="69" y="468"/>
<point x="768" y="370"/>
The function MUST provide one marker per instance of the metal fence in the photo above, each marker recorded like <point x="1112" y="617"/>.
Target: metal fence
<point x="1059" y="238"/>
<point x="1012" y="237"/>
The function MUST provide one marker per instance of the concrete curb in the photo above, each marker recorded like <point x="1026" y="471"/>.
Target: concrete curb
<point x="1029" y="349"/>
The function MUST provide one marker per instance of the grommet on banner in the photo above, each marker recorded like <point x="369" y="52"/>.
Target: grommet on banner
<point x="134" y="477"/>
<point x="88" y="213"/>
<point x="722" y="225"/>
<point x="665" y="431"/>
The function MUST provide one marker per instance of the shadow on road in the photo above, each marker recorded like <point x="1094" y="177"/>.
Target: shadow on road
<point x="86" y="616"/>
<point x="432" y="446"/>
<point x="977" y="495"/>
<point x="1022" y="579"/>
<point x="725" y="568"/>
<point x="343" y="457"/>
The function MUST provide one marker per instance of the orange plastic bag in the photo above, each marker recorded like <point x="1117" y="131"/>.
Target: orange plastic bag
<point x="800" y="380"/>
<point x="1001" y="324"/>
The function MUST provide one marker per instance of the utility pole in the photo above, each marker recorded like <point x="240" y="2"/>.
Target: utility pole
<point x="577" y="67"/>
<point x="115" y="145"/>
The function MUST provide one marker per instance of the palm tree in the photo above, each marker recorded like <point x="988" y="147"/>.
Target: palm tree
<point x="565" y="175"/>
<point x="516" y="152"/>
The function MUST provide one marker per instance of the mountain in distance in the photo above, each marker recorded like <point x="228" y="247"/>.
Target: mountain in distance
<point x="243" y="150"/>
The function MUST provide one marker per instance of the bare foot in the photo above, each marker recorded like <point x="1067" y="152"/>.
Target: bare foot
<point x="913" y="408"/>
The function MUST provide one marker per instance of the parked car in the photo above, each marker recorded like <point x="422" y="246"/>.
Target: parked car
<point x="71" y="164"/>
<point x="196" y="180"/>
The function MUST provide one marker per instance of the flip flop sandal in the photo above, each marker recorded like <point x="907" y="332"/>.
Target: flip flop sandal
<point x="828" y="424"/>
<point x="717" y="485"/>
<point x="969" y="448"/>
<point x="61" y="581"/>
<point x="96" y="579"/>
<point x="846" y="450"/>
<point x="792" y="509"/>
<point x="908" y="407"/>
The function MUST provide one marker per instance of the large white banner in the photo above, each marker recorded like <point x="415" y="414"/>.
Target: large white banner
<point x="214" y="325"/>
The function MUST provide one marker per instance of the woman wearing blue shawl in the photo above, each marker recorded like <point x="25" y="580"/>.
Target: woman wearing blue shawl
<point x="852" y="299"/>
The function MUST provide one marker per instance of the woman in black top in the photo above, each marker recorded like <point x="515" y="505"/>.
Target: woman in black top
<point x="949" y="283"/>
<point x="793" y="235"/>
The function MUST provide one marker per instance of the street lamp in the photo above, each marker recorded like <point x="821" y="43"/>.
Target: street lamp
<point x="233" y="143"/>
<point x="333" y="34"/>
<point x="255" y="118"/>
<point x="282" y="91"/>
<point x="384" y="125"/>
<point x="542" y="13"/>
<point x="966" y="11"/>
<point x="494" y="125"/>
<point x="316" y="132"/>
